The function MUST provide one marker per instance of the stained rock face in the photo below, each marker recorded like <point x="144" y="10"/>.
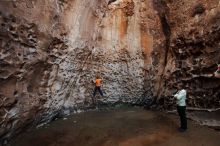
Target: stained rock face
<point x="194" y="52"/>
<point x="143" y="49"/>
<point x="28" y="56"/>
<point x="52" y="50"/>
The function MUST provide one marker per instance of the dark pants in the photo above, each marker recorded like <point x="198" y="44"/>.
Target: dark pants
<point x="182" y="113"/>
<point x="97" y="88"/>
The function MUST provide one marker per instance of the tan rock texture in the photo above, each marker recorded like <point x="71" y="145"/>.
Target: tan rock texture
<point x="194" y="51"/>
<point x="51" y="50"/>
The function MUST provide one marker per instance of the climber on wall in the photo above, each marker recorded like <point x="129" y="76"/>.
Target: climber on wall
<point x="98" y="82"/>
<point x="181" y="108"/>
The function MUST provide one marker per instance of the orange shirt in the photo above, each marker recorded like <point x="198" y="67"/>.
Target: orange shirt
<point x="98" y="82"/>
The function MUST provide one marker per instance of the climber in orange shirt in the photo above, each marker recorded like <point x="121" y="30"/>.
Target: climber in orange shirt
<point x="98" y="82"/>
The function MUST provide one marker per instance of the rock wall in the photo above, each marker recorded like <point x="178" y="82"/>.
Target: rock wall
<point x="51" y="50"/>
<point x="26" y="36"/>
<point x="193" y="53"/>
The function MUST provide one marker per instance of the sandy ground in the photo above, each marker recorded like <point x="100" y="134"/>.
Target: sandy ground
<point x="121" y="127"/>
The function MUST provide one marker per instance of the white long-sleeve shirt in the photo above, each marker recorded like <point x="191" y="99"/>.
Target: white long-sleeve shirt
<point x="181" y="97"/>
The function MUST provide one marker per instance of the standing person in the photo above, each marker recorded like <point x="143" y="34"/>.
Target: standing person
<point x="181" y="108"/>
<point x="98" y="83"/>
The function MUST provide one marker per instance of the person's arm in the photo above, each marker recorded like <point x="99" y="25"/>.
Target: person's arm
<point x="176" y="94"/>
<point x="93" y="81"/>
<point x="179" y="95"/>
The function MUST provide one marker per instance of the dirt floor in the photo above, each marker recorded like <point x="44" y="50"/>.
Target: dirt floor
<point x="121" y="127"/>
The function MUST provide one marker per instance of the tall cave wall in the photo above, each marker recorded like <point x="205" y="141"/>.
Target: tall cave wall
<point x="51" y="50"/>
<point x="27" y="33"/>
<point x="193" y="53"/>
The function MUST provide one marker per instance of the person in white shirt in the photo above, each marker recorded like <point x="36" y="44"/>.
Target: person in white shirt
<point x="181" y="108"/>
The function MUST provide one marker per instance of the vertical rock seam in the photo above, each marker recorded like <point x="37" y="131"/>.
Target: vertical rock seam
<point x="163" y="11"/>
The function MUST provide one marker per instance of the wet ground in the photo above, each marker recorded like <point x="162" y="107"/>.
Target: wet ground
<point x="210" y="119"/>
<point x="121" y="127"/>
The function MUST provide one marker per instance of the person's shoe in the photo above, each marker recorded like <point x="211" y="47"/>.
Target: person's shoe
<point x="181" y="130"/>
